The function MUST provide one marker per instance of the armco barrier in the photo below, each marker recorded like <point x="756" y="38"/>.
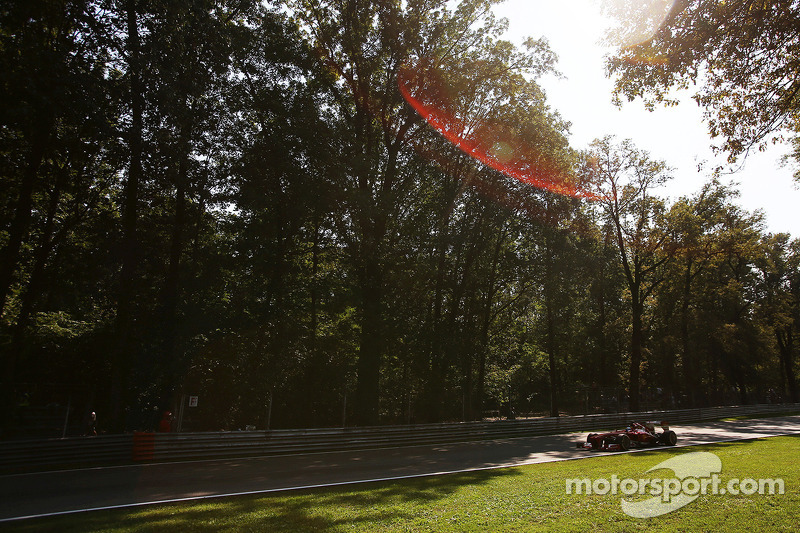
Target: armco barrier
<point x="17" y="456"/>
<point x="29" y="455"/>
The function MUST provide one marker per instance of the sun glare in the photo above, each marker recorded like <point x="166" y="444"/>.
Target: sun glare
<point x="637" y="20"/>
<point x="491" y="144"/>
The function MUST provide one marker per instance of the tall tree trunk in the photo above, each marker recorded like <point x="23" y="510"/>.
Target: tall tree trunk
<point x="550" y="334"/>
<point x="453" y="349"/>
<point x="123" y="351"/>
<point x="551" y="359"/>
<point x="483" y="344"/>
<point x="602" y="371"/>
<point x="370" y="348"/>
<point x="315" y="371"/>
<point x="636" y="353"/>
<point x="467" y="361"/>
<point x="785" y="340"/>
<point x="33" y="289"/>
<point x="171" y="291"/>
<point x="434" y="388"/>
<point x="18" y="229"/>
<point x="41" y="256"/>
<point x="314" y="286"/>
<point x="689" y="375"/>
<point x="373" y="231"/>
<point x="9" y="259"/>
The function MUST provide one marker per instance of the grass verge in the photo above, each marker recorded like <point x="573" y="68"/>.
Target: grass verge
<point x="528" y="498"/>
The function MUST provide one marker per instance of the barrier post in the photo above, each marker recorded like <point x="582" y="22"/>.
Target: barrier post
<point x="144" y="444"/>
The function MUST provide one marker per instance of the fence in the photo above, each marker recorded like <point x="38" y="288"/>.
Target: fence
<point x="20" y="456"/>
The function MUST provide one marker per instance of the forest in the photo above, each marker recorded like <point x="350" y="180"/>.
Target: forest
<point x="236" y="200"/>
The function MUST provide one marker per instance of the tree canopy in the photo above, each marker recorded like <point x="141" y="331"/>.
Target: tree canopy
<point x="245" y="202"/>
<point x="740" y="58"/>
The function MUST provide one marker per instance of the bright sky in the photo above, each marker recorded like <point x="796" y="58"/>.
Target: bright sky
<point x="676" y="135"/>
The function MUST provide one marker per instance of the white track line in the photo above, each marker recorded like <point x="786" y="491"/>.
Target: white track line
<point x="362" y="481"/>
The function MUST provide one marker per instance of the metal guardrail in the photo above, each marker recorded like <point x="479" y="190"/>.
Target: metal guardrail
<point x="27" y="455"/>
<point x="21" y="456"/>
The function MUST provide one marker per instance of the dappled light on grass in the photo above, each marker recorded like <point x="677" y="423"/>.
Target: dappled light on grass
<point x="527" y="498"/>
<point x="491" y="142"/>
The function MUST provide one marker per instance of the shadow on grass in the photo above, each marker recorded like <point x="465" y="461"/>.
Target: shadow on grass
<point x="333" y="509"/>
<point x="371" y="503"/>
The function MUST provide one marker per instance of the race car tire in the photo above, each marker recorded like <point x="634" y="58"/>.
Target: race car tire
<point x="624" y="442"/>
<point x="670" y="438"/>
<point x="595" y="444"/>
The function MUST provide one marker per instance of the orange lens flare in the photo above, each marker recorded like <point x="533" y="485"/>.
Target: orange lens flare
<point x="489" y="144"/>
<point x="638" y="59"/>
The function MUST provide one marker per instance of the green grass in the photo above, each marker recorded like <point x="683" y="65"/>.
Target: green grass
<point x="528" y="498"/>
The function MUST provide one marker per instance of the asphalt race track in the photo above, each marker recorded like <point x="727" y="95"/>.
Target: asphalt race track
<point x="46" y="493"/>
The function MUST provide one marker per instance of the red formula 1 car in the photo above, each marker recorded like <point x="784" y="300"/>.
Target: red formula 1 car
<point x="636" y="435"/>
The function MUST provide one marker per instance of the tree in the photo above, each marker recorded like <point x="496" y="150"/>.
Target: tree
<point x="742" y="55"/>
<point x="779" y="303"/>
<point x="122" y="352"/>
<point x="56" y="151"/>
<point x="697" y="227"/>
<point x="625" y="178"/>
<point x="52" y="59"/>
<point x="726" y="340"/>
<point x="362" y="47"/>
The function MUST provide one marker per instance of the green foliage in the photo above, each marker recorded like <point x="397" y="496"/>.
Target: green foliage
<point x="740" y="58"/>
<point x="240" y="205"/>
